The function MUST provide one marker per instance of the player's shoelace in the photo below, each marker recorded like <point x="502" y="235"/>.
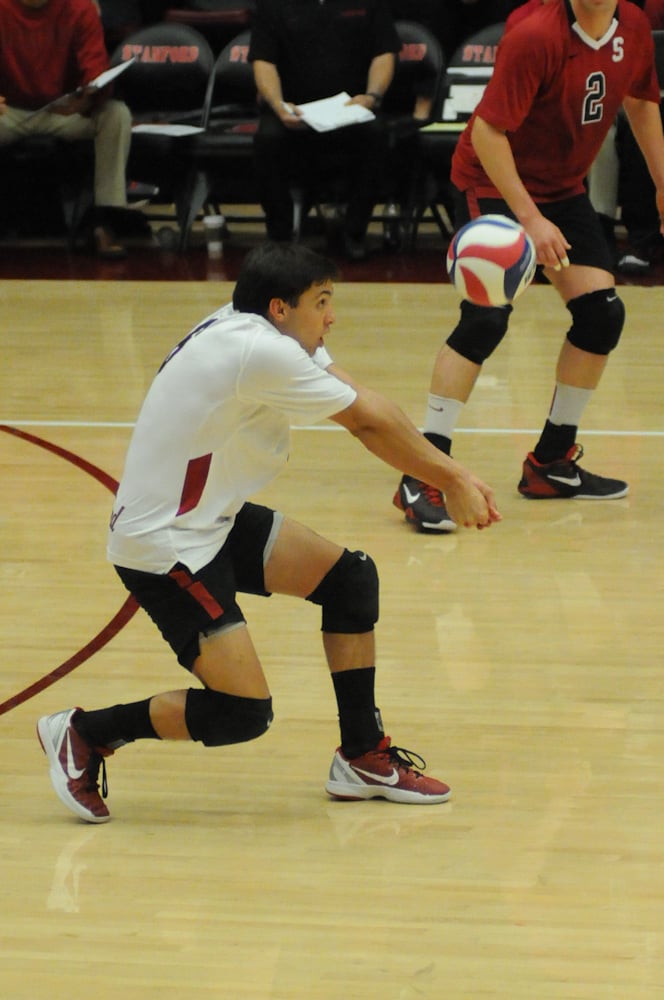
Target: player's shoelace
<point x="97" y="764"/>
<point x="433" y="495"/>
<point x="574" y="456"/>
<point x="401" y="757"/>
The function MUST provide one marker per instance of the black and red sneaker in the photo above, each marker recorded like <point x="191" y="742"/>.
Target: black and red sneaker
<point x="564" y="479"/>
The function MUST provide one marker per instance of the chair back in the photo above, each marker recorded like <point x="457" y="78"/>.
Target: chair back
<point x="419" y="68"/>
<point x="233" y="93"/>
<point x="468" y="71"/>
<point x="171" y="74"/>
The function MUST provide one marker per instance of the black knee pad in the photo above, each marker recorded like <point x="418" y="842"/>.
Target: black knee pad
<point x="217" y="719"/>
<point x="598" y="319"/>
<point x="348" y="594"/>
<point x="479" y="331"/>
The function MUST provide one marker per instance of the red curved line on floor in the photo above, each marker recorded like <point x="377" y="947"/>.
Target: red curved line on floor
<point x="80" y="463"/>
<point x="119" y="620"/>
<point x="125" y="614"/>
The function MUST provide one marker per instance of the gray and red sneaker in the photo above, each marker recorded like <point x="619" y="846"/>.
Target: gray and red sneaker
<point x="384" y="773"/>
<point x="423" y="505"/>
<point x="75" y="766"/>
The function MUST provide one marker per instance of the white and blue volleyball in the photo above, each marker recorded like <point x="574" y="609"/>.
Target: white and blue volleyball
<point x="491" y="260"/>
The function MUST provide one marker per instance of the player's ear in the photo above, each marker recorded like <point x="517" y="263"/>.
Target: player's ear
<point x="277" y="311"/>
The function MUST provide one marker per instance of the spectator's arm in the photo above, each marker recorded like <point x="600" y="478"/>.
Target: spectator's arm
<point x="381" y="73"/>
<point x="268" y="85"/>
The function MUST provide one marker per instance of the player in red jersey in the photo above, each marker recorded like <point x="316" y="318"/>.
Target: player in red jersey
<point x="561" y="75"/>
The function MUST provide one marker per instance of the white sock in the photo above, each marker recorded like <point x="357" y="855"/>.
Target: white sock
<point x="568" y="404"/>
<point x="442" y="415"/>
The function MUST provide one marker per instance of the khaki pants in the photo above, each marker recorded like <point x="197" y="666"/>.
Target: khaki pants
<point x="109" y="126"/>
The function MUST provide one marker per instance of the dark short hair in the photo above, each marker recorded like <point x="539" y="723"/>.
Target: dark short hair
<point x="279" y="271"/>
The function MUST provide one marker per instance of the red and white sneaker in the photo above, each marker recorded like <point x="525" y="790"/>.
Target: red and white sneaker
<point x="384" y="773"/>
<point x="74" y="766"/>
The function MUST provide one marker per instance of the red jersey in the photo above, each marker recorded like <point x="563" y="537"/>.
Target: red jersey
<point x="555" y="92"/>
<point x="48" y="51"/>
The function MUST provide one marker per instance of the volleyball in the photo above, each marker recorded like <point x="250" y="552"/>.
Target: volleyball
<point x="491" y="260"/>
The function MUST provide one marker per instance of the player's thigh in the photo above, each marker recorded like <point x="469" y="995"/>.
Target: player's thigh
<point x="299" y="560"/>
<point x="228" y="662"/>
<point x="575" y="280"/>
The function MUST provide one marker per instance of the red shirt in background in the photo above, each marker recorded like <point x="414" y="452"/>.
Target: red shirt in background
<point x="49" y="51"/>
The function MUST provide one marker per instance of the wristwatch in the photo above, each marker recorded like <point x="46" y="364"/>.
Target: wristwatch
<point x="377" y="99"/>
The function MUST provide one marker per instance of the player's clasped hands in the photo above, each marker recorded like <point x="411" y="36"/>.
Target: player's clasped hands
<point x="472" y="503"/>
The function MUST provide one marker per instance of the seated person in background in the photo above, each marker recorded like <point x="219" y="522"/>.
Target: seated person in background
<point x="49" y="48"/>
<point x="302" y="51"/>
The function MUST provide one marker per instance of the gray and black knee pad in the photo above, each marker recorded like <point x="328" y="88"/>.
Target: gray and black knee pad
<point x="348" y="594"/>
<point x="217" y="719"/>
<point x="598" y="319"/>
<point x="479" y="331"/>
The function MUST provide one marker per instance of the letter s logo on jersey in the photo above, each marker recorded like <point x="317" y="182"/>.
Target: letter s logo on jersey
<point x="618" y="48"/>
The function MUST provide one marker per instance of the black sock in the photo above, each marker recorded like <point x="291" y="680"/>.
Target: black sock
<point x="555" y="441"/>
<point x="359" y="719"/>
<point x="113" y="727"/>
<point x="439" y="441"/>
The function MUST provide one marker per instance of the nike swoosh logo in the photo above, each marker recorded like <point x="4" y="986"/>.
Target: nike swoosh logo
<point x="410" y="497"/>
<point x="72" y="770"/>
<point x="384" y="779"/>
<point x="611" y="298"/>
<point x="567" y="480"/>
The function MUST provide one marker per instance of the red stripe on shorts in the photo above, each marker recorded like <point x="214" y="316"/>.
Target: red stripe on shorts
<point x="194" y="483"/>
<point x="198" y="591"/>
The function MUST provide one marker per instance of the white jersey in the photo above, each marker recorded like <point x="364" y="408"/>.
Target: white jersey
<point x="213" y="430"/>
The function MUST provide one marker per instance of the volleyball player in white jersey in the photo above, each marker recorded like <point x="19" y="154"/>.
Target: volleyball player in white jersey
<point x="185" y="539"/>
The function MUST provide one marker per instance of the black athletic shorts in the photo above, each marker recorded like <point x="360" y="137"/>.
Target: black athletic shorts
<point x="575" y="217"/>
<point x="184" y="605"/>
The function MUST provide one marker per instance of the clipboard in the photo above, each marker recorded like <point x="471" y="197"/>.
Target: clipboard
<point x="99" y="81"/>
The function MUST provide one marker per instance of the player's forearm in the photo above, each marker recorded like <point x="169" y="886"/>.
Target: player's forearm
<point x="495" y="155"/>
<point x="385" y="430"/>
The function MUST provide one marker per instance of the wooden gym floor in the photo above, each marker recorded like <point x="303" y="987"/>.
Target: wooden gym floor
<point x="523" y="662"/>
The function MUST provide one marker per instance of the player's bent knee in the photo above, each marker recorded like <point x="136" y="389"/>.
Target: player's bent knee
<point x="479" y="331"/>
<point x="598" y="319"/>
<point x="348" y="594"/>
<point x="217" y="719"/>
